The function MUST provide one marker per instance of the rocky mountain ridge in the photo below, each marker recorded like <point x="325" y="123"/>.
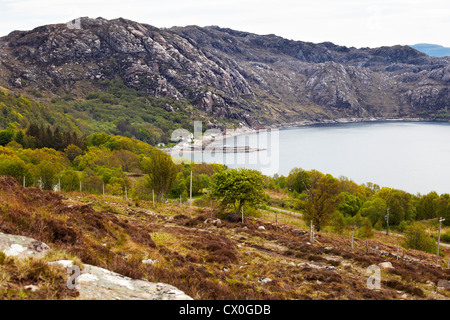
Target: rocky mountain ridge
<point x="254" y="79"/>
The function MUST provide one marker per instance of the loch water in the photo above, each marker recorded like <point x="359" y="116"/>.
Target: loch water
<point x="411" y="156"/>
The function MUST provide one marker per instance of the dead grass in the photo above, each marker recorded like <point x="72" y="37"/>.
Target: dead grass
<point x="207" y="261"/>
<point x="32" y="279"/>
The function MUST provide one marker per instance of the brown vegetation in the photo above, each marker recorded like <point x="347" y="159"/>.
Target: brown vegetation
<point x="206" y="260"/>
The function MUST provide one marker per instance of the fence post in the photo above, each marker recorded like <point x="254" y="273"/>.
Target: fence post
<point x="367" y="246"/>
<point x="276" y="220"/>
<point x="352" y="240"/>
<point x="190" y="190"/>
<point x="397" y="250"/>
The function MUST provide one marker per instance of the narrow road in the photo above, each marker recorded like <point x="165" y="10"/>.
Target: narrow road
<point x="286" y="211"/>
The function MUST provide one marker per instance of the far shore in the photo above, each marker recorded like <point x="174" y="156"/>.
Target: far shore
<point x="229" y="133"/>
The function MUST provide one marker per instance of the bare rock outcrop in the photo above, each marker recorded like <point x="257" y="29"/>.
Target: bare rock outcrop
<point x="255" y="79"/>
<point x="93" y="283"/>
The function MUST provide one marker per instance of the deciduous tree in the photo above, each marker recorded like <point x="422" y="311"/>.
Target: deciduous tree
<point x="161" y="172"/>
<point x="237" y="187"/>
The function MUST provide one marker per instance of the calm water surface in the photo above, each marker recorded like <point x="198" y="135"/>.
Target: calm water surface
<point x="412" y="156"/>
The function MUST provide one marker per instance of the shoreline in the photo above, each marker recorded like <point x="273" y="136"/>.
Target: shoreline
<point x="306" y="123"/>
<point x="230" y="133"/>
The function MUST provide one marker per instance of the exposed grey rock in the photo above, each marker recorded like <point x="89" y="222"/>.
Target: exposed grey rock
<point x="96" y="283"/>
<point x="31" y="287"/>
<point x="149" y="261"/>
<point x="264" y="280"/>
<point x="216" y="222"/>
<point x="230" y="74"/>
<point x="443" y="285"/>
<point x="22" y="247"/>
<point x="300" y="232"/>
<point x="261" y="228"/>
<point x="385" y="265"/>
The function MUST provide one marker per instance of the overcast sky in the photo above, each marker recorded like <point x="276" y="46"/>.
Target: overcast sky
<point x="358" y="23"/>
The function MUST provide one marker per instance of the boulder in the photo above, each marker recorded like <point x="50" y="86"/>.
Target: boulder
<point x="94" y="283"/>
<point x="443" y="285"/>
<point x="22" y="247"/>
<point x="149" y="261"/>
<point x="385" y="265"/>
<point x="264" y="280"/>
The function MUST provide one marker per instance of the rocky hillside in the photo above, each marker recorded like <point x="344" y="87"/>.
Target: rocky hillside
<point x="225" y="73"/>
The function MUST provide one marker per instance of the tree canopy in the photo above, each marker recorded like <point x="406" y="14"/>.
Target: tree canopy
<point x="238" y="187"/>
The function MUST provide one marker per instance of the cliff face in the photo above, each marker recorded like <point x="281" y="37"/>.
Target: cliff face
<point x="226" y="73"/>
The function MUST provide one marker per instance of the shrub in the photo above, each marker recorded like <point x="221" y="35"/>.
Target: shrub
<point x="417" y="238"/>
<point x="338" y="223"/>
<point x="366" y="230"/>
<point x="403" y="225"/>
<point x="445" y="237"/>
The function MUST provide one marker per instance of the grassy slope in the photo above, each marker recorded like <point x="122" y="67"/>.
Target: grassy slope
<point x="203" y="260"/>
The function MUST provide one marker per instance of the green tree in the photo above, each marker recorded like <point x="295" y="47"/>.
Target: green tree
<point x="70" y="180"/>
<point x="179" y="185"/>
<point x="13" y="166"/>
<point x="426" y="206"/>
<point x="350" y="204"/>
<point x="19" y="138"/>
<point x="337" y="222"/>
<point x="399" y="203"/>
<point x="298" y="180"/>
<point x="72" y="151"/>
<point x="48" y="171"/>
<point x="161" y="172"/>
<point x="366" y="230"/>
<point x="6" y="137"/>
<point x="374" y="210"/>
<point x="321" y="199"/>
<point x="417" y="238"/>
<point x="443" y="208"/>
<point x="238" y="187"/>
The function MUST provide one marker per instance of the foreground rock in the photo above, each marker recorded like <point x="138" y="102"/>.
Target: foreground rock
<point x="22" y="247"/>
<point x="94" y="283"/>
<point x="443" y="285"/>
<point x="385" y="265"/>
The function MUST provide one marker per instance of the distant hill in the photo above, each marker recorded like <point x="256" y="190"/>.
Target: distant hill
<point x="121" y="76"/>
<point x="433" y="50"/>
